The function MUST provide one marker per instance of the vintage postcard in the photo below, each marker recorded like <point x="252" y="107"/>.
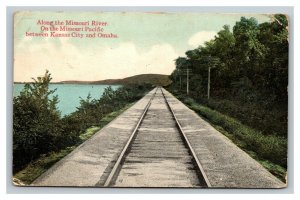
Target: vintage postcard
<point x="129" y="99"/>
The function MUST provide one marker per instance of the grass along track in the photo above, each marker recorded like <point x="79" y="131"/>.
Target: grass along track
<point x="269" y="150"/>
<point x="37" y="167"/>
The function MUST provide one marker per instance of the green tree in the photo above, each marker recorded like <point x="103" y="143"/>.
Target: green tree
<point x="36" y="121"/>
<point x="274" y="74"/>
<point x="250" y="69"/>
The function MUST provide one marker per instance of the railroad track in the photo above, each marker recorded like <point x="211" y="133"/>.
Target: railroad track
<point x="158" y="153"/>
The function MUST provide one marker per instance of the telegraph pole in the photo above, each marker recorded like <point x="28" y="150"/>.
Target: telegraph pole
<point x="179" y="73"/>
<point x="180" y="81"/>
<point x="188" y="73"/>
<point x="212" y="62"/>
<point x="208" y="83"/>
<point x="187" y="81"/>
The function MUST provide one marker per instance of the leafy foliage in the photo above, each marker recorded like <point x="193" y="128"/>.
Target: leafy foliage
<point x="270" y="147"/>
<point x="38" y="128"/>
<point x="249" y="73"/>
<point x="269" y="150"/>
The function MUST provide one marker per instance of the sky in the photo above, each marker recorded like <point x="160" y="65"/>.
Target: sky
<point x="145" y="43"/>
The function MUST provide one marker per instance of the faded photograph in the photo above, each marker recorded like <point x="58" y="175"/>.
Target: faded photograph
<point x="159" y="100"/>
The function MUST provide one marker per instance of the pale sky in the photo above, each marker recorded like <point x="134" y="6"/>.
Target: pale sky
<point x="146" y="43"/>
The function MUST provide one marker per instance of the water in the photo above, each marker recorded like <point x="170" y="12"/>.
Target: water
<point x="68" y="94"/>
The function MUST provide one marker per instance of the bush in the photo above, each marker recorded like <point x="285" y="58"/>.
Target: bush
<point x="36" y="122"/>
<point x="269" y="119"/>
<point x="269" y="147"/>
<point x="272" y="121"/>
<point x="91" y="111"/>
<point x="38" y="128"/>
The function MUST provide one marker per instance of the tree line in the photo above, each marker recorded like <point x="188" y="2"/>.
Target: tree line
<point x="248" y="73"/>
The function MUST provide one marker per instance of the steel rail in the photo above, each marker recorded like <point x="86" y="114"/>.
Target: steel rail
<point x="114" y="172"/>
<point x="201" y="172"/>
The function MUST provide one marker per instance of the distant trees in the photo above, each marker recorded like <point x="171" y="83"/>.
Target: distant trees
<point x="251" y="67"/>
<point x="38" y="127"/>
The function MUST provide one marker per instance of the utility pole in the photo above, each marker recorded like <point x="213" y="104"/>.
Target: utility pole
<point x="208" y="83"/>
<point x="180" y="81"/>
<point x="188" y="73"/>
<point x="212" y="62"/>
<point x="179" y="73"/>
<point x="187" y="81"/>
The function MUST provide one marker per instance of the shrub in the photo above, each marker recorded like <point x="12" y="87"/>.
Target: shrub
<point x="269" y="147"/>
<point x="36" y="122"/>
<point x="38" y="128"/>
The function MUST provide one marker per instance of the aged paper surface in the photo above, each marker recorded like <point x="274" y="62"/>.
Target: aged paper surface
<point x="127" y="86"/>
